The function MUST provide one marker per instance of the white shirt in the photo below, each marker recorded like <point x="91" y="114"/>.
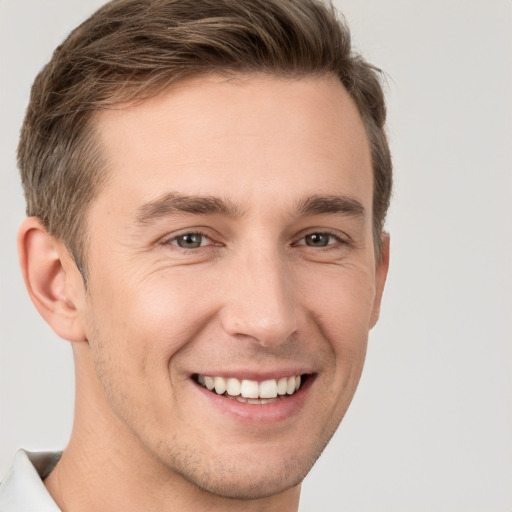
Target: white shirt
<point x="22" y="489"/>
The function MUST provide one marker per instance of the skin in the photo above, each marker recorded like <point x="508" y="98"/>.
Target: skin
<point x="257" y="297"/>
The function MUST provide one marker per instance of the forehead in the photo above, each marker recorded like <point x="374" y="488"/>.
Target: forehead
<point x="238" y="137"/>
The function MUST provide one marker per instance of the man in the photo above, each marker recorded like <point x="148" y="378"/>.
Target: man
<point x="206" y="188"/>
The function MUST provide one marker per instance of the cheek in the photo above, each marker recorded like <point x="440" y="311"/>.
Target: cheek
<point x="146" y="322"/>
<point x="342" y="301"/>
<point x="343" y="310"/>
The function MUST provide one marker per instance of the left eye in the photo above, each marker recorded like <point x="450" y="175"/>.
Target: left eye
<point x="190" y="240"/>
<point x="318" y="240"/>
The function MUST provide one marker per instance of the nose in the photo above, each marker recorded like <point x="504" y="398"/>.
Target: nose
<point x="261" y="300"/>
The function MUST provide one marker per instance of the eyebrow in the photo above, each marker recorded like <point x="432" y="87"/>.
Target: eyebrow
<point x="331" y="204"/>
<point x="172" y="203"/>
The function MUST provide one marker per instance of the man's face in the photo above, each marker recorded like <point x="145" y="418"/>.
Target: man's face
<point x="232" y="243"/>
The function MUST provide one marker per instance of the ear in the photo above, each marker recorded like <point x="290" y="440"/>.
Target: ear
<point x="52" y="278"/>
<point x="381" y="273"/>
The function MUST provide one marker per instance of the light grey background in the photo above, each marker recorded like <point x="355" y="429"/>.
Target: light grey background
<point x="430" y="428"/>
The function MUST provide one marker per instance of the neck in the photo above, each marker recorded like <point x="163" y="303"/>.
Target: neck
<point x="106" y="467"/>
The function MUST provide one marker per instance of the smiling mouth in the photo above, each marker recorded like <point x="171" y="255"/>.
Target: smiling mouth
<point x="252" y="391"/>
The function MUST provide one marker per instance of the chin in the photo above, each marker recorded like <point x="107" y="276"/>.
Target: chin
<point x="247" y="479"/>
<point x="247" y="486"/>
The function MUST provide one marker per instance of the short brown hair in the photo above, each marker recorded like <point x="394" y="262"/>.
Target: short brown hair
<point x="131" y="50"/>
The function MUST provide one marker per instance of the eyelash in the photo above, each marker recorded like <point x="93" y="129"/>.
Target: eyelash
<point x="174" y="239"/>
<point x="334" y="240"/>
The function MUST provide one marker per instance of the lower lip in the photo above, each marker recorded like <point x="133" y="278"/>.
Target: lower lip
<point x="258" y="414"/>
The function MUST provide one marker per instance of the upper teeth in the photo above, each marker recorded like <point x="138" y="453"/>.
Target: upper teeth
<point x="251" y="388"/>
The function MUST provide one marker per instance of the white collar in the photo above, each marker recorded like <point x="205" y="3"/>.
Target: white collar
<point x="22" y="489"/>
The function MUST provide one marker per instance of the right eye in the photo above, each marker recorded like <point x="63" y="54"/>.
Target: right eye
<point x="319" y="239"/>
<point x="190" y="240"/>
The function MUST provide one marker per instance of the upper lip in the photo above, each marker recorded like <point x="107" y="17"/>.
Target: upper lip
<point x="255" y="374"/>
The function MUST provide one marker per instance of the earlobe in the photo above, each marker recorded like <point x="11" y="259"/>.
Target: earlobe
<point x="52" y="279"/>
<point x="381" y="273"/>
